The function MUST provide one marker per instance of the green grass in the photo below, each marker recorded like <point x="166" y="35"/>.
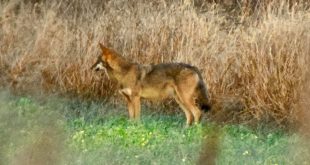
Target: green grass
<point x="74" y="132"/>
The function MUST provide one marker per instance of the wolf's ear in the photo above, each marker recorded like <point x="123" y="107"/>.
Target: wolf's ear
<point x="104" y="49"/>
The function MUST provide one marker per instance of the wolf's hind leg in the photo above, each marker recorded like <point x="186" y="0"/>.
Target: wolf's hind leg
<point x="190" y="103"/>
<point x="188" y="114"/>
<point x="185" y="91"/>
<point x="188" y="106"/>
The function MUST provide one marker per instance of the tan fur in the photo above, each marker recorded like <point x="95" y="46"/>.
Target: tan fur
<point x="180" y="81"/>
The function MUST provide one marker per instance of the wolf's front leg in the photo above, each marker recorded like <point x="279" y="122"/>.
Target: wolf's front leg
<point x="126" y="92"/>
<point x="130" y="108"/>
<point x="137" y="107"/>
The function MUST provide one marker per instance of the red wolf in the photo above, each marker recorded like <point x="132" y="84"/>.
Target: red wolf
<point x="181" y="81"/>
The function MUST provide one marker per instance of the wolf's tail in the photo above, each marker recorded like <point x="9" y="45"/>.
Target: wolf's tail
<point x="202" y="91"/>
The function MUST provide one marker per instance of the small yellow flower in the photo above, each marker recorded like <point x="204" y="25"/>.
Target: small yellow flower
<point x="246" y="152"/>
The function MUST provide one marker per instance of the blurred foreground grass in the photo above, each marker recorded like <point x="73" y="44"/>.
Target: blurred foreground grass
<point x="60" y="131"/>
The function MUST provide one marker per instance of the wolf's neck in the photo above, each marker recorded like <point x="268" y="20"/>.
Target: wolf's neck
<point x="119" y="68"/>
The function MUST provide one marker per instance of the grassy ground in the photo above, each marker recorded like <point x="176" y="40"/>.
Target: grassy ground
<point x="59" y="131"/>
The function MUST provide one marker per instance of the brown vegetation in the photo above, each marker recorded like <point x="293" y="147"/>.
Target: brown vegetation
<point x="256" y="59"/>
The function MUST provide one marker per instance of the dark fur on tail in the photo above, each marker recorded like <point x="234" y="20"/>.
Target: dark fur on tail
<point x="203" y="99"/>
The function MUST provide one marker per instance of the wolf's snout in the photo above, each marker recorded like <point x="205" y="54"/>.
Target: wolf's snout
<point x="98" y="66"/>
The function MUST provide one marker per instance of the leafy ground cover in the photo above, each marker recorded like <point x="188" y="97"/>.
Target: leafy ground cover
<point x="72" y="132"/>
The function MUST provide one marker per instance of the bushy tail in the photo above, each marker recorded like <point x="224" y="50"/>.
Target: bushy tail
<point x="201" y="89"/>
<point x="203" y="99"/>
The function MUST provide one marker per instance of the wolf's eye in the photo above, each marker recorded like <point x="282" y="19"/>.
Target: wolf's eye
<point x="104" y="64"/>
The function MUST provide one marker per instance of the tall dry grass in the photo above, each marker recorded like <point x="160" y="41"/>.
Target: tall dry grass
<point x="254" y="63"/>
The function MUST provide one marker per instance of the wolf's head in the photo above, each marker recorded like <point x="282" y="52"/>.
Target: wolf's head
<point x="103" y="59"/>
<point x="111" y="62"/>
